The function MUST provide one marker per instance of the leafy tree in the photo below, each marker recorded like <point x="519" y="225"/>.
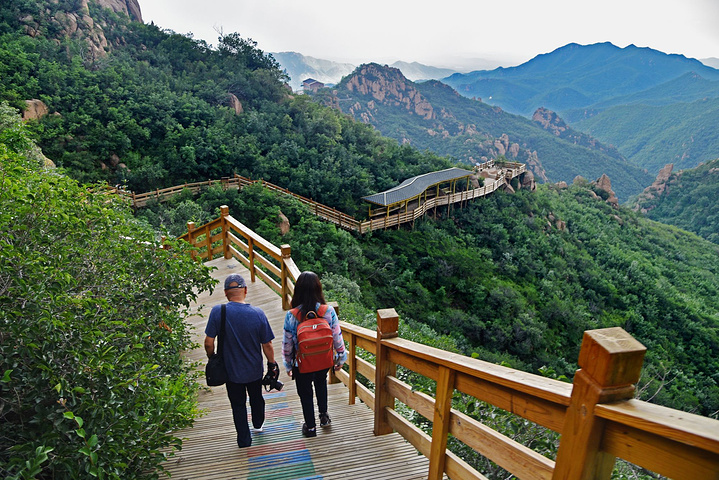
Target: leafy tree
<point x="93" y="383"/>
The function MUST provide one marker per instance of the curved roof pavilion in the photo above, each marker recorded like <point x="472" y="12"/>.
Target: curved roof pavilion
<point x="415" y="186"/>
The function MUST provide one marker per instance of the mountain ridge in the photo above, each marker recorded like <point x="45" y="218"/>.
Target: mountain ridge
<point x="432" y="115"/>
<point x="576" y="76"/>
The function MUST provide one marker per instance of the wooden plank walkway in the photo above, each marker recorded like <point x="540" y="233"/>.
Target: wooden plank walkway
<point x="345" y="450"/>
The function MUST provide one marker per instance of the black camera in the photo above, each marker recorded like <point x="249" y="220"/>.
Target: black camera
<point x="271" y="378"/>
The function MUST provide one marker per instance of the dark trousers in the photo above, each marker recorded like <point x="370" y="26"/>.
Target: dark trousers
<point x="305" y="381"/>
<point x="237" y="393"/>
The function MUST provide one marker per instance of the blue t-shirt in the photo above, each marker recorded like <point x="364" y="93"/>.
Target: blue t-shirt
<point x="246" y="329"/>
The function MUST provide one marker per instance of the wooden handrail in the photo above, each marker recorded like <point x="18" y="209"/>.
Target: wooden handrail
<point x="330" y="214"/>
<point x="596" y="417"/>
<point x="234" y="239"/>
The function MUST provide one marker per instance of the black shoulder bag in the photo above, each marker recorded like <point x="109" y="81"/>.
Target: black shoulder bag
<point x="215" y="371"/>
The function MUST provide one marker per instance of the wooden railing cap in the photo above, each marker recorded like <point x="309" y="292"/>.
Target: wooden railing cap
<point x="611" y="356"/>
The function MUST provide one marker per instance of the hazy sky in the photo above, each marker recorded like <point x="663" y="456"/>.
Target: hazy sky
<point x="441" y="33"/>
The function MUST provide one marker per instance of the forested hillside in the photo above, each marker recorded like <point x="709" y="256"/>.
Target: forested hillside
<point x="517" y="278"/>
<point x="512" y="278"/>
<point x="651" y="136"/>
<point x="687" y="199"/>
<point x="161" y="109"/>
<point x="433" y="116"/>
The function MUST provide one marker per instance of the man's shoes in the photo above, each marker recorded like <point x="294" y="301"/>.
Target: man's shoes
<point x="325" y="420"/>
<point x="308" y="432"/>
<point x="259" y="429"/>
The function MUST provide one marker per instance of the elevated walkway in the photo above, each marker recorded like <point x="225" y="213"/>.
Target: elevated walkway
<point x="281" y="452"/>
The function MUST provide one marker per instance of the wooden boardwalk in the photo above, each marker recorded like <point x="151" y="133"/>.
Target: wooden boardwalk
<point x="345" y="450"/>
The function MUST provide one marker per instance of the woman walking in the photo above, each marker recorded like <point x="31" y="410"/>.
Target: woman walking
<point x="307" y="352"/>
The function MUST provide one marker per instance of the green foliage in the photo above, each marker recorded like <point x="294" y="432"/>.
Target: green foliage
<point x="92" y="328"/>
<point x="688" y="201"/>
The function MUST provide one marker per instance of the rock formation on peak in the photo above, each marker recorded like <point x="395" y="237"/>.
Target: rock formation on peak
<point x="131" y="8"/>
<point x="388" y="86"/>
<point x="549" y="121"/>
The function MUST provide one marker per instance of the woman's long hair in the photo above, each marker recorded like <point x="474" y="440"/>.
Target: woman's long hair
<point x="308" y="291"/>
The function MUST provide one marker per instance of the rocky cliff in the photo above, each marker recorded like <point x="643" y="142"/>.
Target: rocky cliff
<point x="388" y="86"/>
<point x="75" y="21"/>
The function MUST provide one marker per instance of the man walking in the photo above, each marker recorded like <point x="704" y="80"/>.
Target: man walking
<point x="247" y="335"/>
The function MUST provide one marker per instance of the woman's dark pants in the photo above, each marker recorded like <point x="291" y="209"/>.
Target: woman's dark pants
<point x="305" y="381"/>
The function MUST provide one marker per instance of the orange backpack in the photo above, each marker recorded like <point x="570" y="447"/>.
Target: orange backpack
<point x="315" y="342"/>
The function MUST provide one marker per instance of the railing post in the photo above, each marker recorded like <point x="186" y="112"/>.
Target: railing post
<point x="440" y="425"/>
<point x="251" y="258"/>
<point x="191" y="238"/>
<point x="610" y="361"/>
<point x="352" y="361"/>
<point x="332" y="378"/>
<point x="387" y="326"/>
<point x="224" y="213"/>
<point x="284" y="276"/>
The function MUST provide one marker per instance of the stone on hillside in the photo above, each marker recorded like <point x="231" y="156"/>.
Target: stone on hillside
<point x="283" y="224"/>
<point x="526" y="180"/>
<point x="604" y="183"/>
<point x="235" y="104"/>
<point x="561" y="225"/>
<point x="34" y="110"/>
<point x="474" y="181"/>
<point x="562" y="185"/>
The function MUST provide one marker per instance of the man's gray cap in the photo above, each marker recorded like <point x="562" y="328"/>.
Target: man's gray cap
<point x="235" y="278"/>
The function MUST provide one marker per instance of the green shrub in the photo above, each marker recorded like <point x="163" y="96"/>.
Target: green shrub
<point x="91" y="329"/>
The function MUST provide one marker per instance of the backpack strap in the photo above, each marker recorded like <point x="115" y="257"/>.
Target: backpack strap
<point x="320" y="312"/>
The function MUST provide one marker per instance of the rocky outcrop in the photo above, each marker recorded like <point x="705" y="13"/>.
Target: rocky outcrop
<point x="235" y="104"/>
<point x="605" y="184"/>
<point x="550" y="121"/>
<point x="657" y="188"/>
<point x="283" y="224"/>
<point x="388" y="86"/>
<point x="131" y="8"/>
<point x="34" y="109"/>
<point x="74" y="22"/>
<point x="526" y="181"/>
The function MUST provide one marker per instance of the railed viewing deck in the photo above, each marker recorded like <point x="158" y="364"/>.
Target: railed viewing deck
<point x="281" y="452"/>
<point x="597" y="418"/>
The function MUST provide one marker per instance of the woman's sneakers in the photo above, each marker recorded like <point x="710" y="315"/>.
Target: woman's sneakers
<point x="325" y="420"/>
<point x="308" y="432"/>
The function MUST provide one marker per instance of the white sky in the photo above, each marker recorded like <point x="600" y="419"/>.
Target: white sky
<point x="443" y="33"/>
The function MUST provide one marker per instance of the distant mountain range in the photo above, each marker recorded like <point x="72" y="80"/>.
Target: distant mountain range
<point x="431" y="115"/>
<point x="710" y="62"/>
<point x="300" y="67"/>
<point x="654" y="107"/>
<point x="576" y="77"/>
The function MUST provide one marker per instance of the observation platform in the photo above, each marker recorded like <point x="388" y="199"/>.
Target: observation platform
<point x="346" y="449"/>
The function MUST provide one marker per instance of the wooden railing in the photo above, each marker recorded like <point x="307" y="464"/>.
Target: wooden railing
<point x="342" y="220"/>
<point x="228" y="237"/>
<point x="596" y="416"/>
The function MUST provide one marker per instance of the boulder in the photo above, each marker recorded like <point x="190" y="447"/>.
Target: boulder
<point x="283" y="224"/>
<point x="526" y="180"/>
<point x="235" y="104"/>
<point x="604" y="183"/>
<point x="34" y="110"/>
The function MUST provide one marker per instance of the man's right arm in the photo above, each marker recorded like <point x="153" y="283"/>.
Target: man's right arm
<point x="209" y="346"/>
